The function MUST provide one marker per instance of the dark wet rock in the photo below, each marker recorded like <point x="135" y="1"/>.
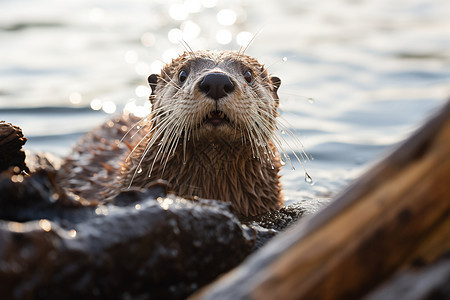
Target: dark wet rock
<point x="277" y="220"/>
<point x="268" y="225"/>
<point x="150" y="246"/>
<point x="140" y="243"/>
<point x="11" y="153"/>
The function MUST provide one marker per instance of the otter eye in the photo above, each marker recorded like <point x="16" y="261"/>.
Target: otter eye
<point x="182" y="76"/>
<point x="248" y="76"/>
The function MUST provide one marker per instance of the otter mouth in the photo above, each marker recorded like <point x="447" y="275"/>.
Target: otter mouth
<point x="216" y="118"/>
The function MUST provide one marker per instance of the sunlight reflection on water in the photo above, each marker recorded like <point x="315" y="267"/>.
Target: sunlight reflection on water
<point x="357" y="77"/>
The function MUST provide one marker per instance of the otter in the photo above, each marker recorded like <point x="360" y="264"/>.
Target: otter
<point x="210" y="134"/>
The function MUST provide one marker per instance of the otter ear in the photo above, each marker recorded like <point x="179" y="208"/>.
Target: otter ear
<point x="153" y="81"/>
<point x="276" y="82"/>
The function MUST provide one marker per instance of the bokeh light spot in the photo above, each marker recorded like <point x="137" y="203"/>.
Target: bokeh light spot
<point x="190" y="30"/>
<point x="243" y="38"/>
<point x="224" y="37"/>
<point x="209" y="3"/>
<point x="226" y="17"/>
<point x="193" y="6"/>
<point x="142" y="68"/>
<point x="142" y="91"/>
<point x="157" y="66"/>
<point x="178" y="12"/>
<point x="96" y="104"/>
<point x="139" y="111"/>
<point x="175" y="35"/>
<point x="131" y="57"/>
<point x="75" y="98"/>
<point x="109" y="107"/>
<point x="169" y="54"/>
<point x="148" y="39"/>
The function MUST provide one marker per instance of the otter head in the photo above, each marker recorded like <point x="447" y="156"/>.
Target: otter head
<point x="215" y="95"/>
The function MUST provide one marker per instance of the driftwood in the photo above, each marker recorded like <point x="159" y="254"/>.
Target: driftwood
<point x="393" y="219"/>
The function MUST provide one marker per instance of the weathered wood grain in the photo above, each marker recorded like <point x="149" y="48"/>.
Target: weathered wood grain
<point x="394" y="216"/>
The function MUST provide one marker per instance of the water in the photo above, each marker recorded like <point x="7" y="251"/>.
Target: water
<point x="357" y="76"/>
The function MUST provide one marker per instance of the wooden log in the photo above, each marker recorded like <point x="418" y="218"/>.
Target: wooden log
<point x="429" y="282"/>
<point x="395" y="215"/>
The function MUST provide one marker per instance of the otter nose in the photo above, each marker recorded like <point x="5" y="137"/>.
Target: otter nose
<point x="216" y="85"/>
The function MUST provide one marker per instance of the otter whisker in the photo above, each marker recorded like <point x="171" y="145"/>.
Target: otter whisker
<point x="144" y="119"/>
<point x="172" y="136"/>
<point x="254" y="140"/>
<point x="170" y="81"/>
<point x="184" y="145"/>
<point x="158" y="132"/>
<point x="292" y="135"/>
<point x="250" y="135"/>
<point x="309" y="99"/>
<point x="155" y="126"/>
<point x="138" y="143"/>
<point x="249" y="43"/>
<point x="277" y="139"/>
<point x="187" y="47"/>
<point x="161" y="147"/>
<point x="160" y="127"/>
<point x="174" y="140"/>
<point x="263" y="136"/>
<point x="302" y="155"/>
<point x="267" y="68"/>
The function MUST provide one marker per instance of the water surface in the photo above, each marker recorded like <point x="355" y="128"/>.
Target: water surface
<point x="375" y="69"/>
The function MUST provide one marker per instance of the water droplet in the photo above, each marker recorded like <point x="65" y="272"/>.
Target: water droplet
<point x="284" y="59"/>
<point x="72" y="233"/>
<point x="45" y="225"/>
<point x="283" y="131"/>
<point x="308" y="179"/>
<point x="139" y="171"/>
<point x="311" y="100"/>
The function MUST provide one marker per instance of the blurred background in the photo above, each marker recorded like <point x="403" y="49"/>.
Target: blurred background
<point x="357" y="76"/>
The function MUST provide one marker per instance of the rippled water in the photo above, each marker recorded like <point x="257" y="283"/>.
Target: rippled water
<point x="375" y="69"/>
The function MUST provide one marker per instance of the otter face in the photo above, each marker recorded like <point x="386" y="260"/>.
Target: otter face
<point x="214" y="95"/>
